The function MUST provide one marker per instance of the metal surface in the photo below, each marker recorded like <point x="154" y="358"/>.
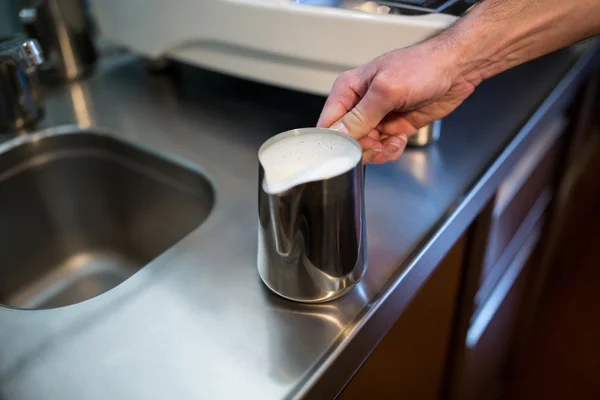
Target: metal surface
<point x="20" y="98"/>
<point x="65" y="32"/>
<point x="426" y="135"/>
<point x="312" y="237"/>
<point x="397" y="7"/>
<point x="95" y="209"/>
<point x="197" y="322"/>
<point x="453" y="7"/>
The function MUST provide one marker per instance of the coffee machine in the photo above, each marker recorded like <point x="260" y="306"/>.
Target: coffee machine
<point x="297" y="44"/>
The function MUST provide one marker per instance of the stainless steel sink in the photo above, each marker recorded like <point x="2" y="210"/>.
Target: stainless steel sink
<point x="81" y="212"/>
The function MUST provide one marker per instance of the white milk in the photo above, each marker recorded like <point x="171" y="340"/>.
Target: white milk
<point x="305" y="158"/>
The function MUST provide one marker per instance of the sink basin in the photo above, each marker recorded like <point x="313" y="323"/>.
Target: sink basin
<point x="81" y="212"/>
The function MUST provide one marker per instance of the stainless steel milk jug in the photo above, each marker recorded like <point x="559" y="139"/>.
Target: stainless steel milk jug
<point x="312" y="237"/>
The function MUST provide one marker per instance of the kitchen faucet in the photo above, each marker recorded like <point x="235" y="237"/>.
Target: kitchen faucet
<point x="62" y="31"/>
<point x="20" y="98"/>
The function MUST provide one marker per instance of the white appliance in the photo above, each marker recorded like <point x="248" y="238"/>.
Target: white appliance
<point x="299" y="44"/>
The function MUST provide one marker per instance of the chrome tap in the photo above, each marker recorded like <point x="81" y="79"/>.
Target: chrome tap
<point x="65" y="32"/>
<point x="21" y="102"/>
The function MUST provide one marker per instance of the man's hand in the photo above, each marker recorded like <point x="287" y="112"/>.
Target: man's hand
<point x="390" y="98"/>
<point x="383" y="102"/>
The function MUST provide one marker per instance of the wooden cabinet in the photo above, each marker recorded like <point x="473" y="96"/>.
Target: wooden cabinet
<point x="489" y="337"/>
<point x="410" y="361"/>
<point x="527" y="188"/>
<point x="503" y="240"/>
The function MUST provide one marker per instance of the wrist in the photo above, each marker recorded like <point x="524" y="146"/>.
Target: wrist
<point x="476" y="48"/>
<point x="499" y="34"/>
<point x="452" y="54"/>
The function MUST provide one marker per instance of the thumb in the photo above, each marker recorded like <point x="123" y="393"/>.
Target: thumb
<point x="366" y="115"/>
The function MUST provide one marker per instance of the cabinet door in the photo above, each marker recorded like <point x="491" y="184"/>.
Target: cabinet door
<point x="410" y="361"/>
<point x="514" y="244"/>
<point x="519" y="192"/>
<point x="489" y="338"/>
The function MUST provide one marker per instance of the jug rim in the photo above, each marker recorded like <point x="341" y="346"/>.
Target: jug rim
<point x="302" y="131"/>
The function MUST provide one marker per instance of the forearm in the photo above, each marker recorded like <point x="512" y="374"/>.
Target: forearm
<point x="499" y="34"/>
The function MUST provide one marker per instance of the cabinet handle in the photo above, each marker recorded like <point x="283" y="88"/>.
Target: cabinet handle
<point x="497" y="297"/>
<point x="518" y="239"/>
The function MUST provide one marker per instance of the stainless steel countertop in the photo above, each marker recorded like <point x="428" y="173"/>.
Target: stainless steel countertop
<point x="197" y="323"/>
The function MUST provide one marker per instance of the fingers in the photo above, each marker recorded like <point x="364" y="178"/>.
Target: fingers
<point x="344" y="95"/>
<point x="368" y="142"/>
<point x="397" y="123"/>
<point x="371" y="145"/>
<point x="407" y="123"/>
<point x="370" y="155"/>
<point x="393" y="147"/>
<point x="367" y="114"/>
